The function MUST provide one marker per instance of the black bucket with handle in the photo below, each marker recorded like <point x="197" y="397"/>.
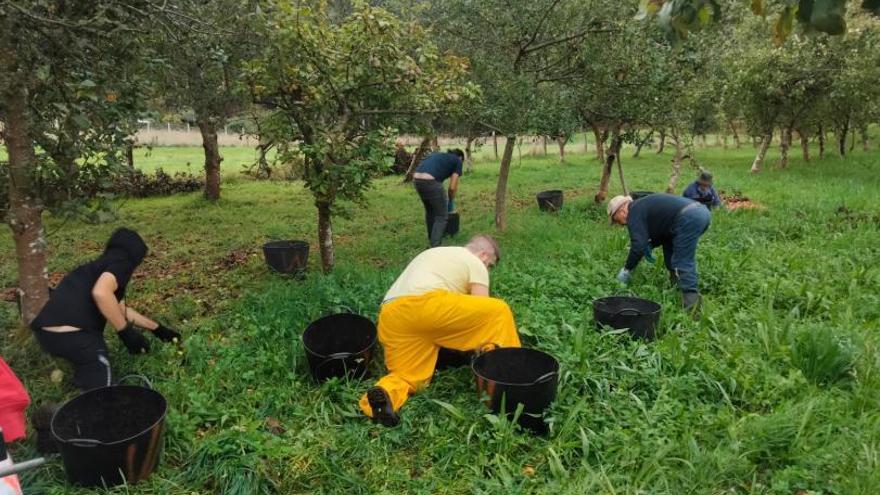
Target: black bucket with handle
<point x="516" y="375"/>
<point x="550" y="200"/>
<point x="289" y="257"/>
<point x="453" y="222"/>
<point x="339" y="346"/>
<point x="112" y="435"/>
<point x="640" y="316"/>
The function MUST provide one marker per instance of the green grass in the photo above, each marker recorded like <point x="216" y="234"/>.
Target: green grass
<point x="173" y="159"/>
<point x="774" y="391"/>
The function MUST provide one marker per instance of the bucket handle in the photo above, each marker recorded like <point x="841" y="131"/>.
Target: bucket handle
<point x="546" y="377"/>
<point x="146" y="381"/>
<point x="339" y="356"/>
<point x="631" y="311"/>
<point x="84" y="442"/>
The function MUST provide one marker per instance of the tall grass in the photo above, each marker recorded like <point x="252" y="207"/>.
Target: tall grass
<point x="774" y="391"/>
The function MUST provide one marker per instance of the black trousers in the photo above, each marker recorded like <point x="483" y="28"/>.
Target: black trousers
<point x="85" y="350"/>
<point x="434" y="198"/>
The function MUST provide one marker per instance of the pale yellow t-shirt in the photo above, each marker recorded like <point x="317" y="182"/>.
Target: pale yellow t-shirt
<point x="452" y="269"/>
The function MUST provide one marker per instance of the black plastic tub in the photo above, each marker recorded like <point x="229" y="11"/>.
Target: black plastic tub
<point x="289" y="257"/>
<point x="111" y="435"/>
<point x="453" y="222"/>
<point x="514" y="376"/>
<point x="550" y="200"/>
<point x="639" y="194"/>
<point x="640" y="316"/>
<point x="339" y="346"/>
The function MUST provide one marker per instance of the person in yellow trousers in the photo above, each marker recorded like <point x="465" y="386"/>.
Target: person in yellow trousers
<point x="440" y="300"/>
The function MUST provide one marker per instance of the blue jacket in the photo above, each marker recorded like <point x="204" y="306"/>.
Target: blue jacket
<point x="650" y="223"/>
<point x="708" y="196"/>
<point x="441" y="165"/>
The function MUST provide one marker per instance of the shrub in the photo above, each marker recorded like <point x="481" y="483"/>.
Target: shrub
<point x="821" y="355"/>
<point x="136" y="184"/>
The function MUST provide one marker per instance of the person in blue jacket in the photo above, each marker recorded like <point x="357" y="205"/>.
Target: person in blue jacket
<point x="674" y="222"/>
<point x="428" y="179"/>
<point x="701" y="190"/>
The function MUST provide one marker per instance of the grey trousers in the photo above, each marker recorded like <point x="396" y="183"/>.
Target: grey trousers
<point x="434" y="198"/>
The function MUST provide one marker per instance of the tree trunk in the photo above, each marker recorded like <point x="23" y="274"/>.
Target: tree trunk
<point x="262" y="161"/>
<point x="805" y="145"/>
<point x="640" y="143"/>
<point x="469" y="153"/>
<point x="762" y="152"/>
<point x="325" y="236"/>
<point x="495" y="143"/>
<point x="620" y="174"/>
<point x="212" y="159"/>
<point x="852" y="141"/>
<point x="544" y="144"/>
<point x="821" y="136"/>
<point x="25" y="208"/>
<point x="129" y="155"/>
<point x="501" y="188"/>
<point x="602" y="193"/>
<point x="435" y="143"/>
<point x="417" y="156"/>
<point x="841" y="139"/>
<point x="562" y="141"/>
<point x="662" y="144"/>
<point x="586" y="142"/>
<point x="784" y="145"/>
<point x="676" y="165"/>
<point x="866" y="144"/>
<point x="601" y="136"/>
<point x="736" y="141"/>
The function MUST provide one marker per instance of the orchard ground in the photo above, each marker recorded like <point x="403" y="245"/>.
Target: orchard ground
<point x="776" y="389"/>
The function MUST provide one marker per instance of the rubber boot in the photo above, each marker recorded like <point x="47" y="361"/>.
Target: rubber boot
<point x="380" y="403"/>
<point x="691" y="303"/>
<point x="42" y="423"/>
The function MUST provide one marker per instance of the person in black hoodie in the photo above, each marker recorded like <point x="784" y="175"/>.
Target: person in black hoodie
<point x="71" y="324"/>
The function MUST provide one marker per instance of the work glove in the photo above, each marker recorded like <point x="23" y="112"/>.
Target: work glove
<point x="649" y="255"/>
<point x="133" y="339"/>
<point x="450" y="206"/>
<point x="624" y="276"/>
<point x="166" y="334"/>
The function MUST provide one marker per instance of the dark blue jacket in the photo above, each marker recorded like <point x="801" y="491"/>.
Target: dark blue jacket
<point x="650" y="223"/>
<point x="709" y="197"/>
<point x="441" y="165"/>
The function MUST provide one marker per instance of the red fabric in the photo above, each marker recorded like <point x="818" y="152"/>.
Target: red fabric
<point x="14" y="400"/>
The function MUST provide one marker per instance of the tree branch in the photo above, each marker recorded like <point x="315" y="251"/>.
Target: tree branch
<point x="579" y="34"/>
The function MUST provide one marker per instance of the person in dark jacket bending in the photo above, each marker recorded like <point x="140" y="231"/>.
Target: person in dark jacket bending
<point x="428" y="179"/>
<point x="674" y="222"/>
<point x="71" y="324"/>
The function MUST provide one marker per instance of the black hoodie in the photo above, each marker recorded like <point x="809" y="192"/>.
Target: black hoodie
<point x="72" y="304"/>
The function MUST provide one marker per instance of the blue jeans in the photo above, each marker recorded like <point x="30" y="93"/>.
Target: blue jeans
<point x="679" y="252"/>
<point x="434" y="198"/>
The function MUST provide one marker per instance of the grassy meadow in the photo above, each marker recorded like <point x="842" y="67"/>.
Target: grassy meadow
<point x="775" y="390"/>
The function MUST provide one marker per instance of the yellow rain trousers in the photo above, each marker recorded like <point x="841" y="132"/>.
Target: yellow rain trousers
<point x="413" y="328"/>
